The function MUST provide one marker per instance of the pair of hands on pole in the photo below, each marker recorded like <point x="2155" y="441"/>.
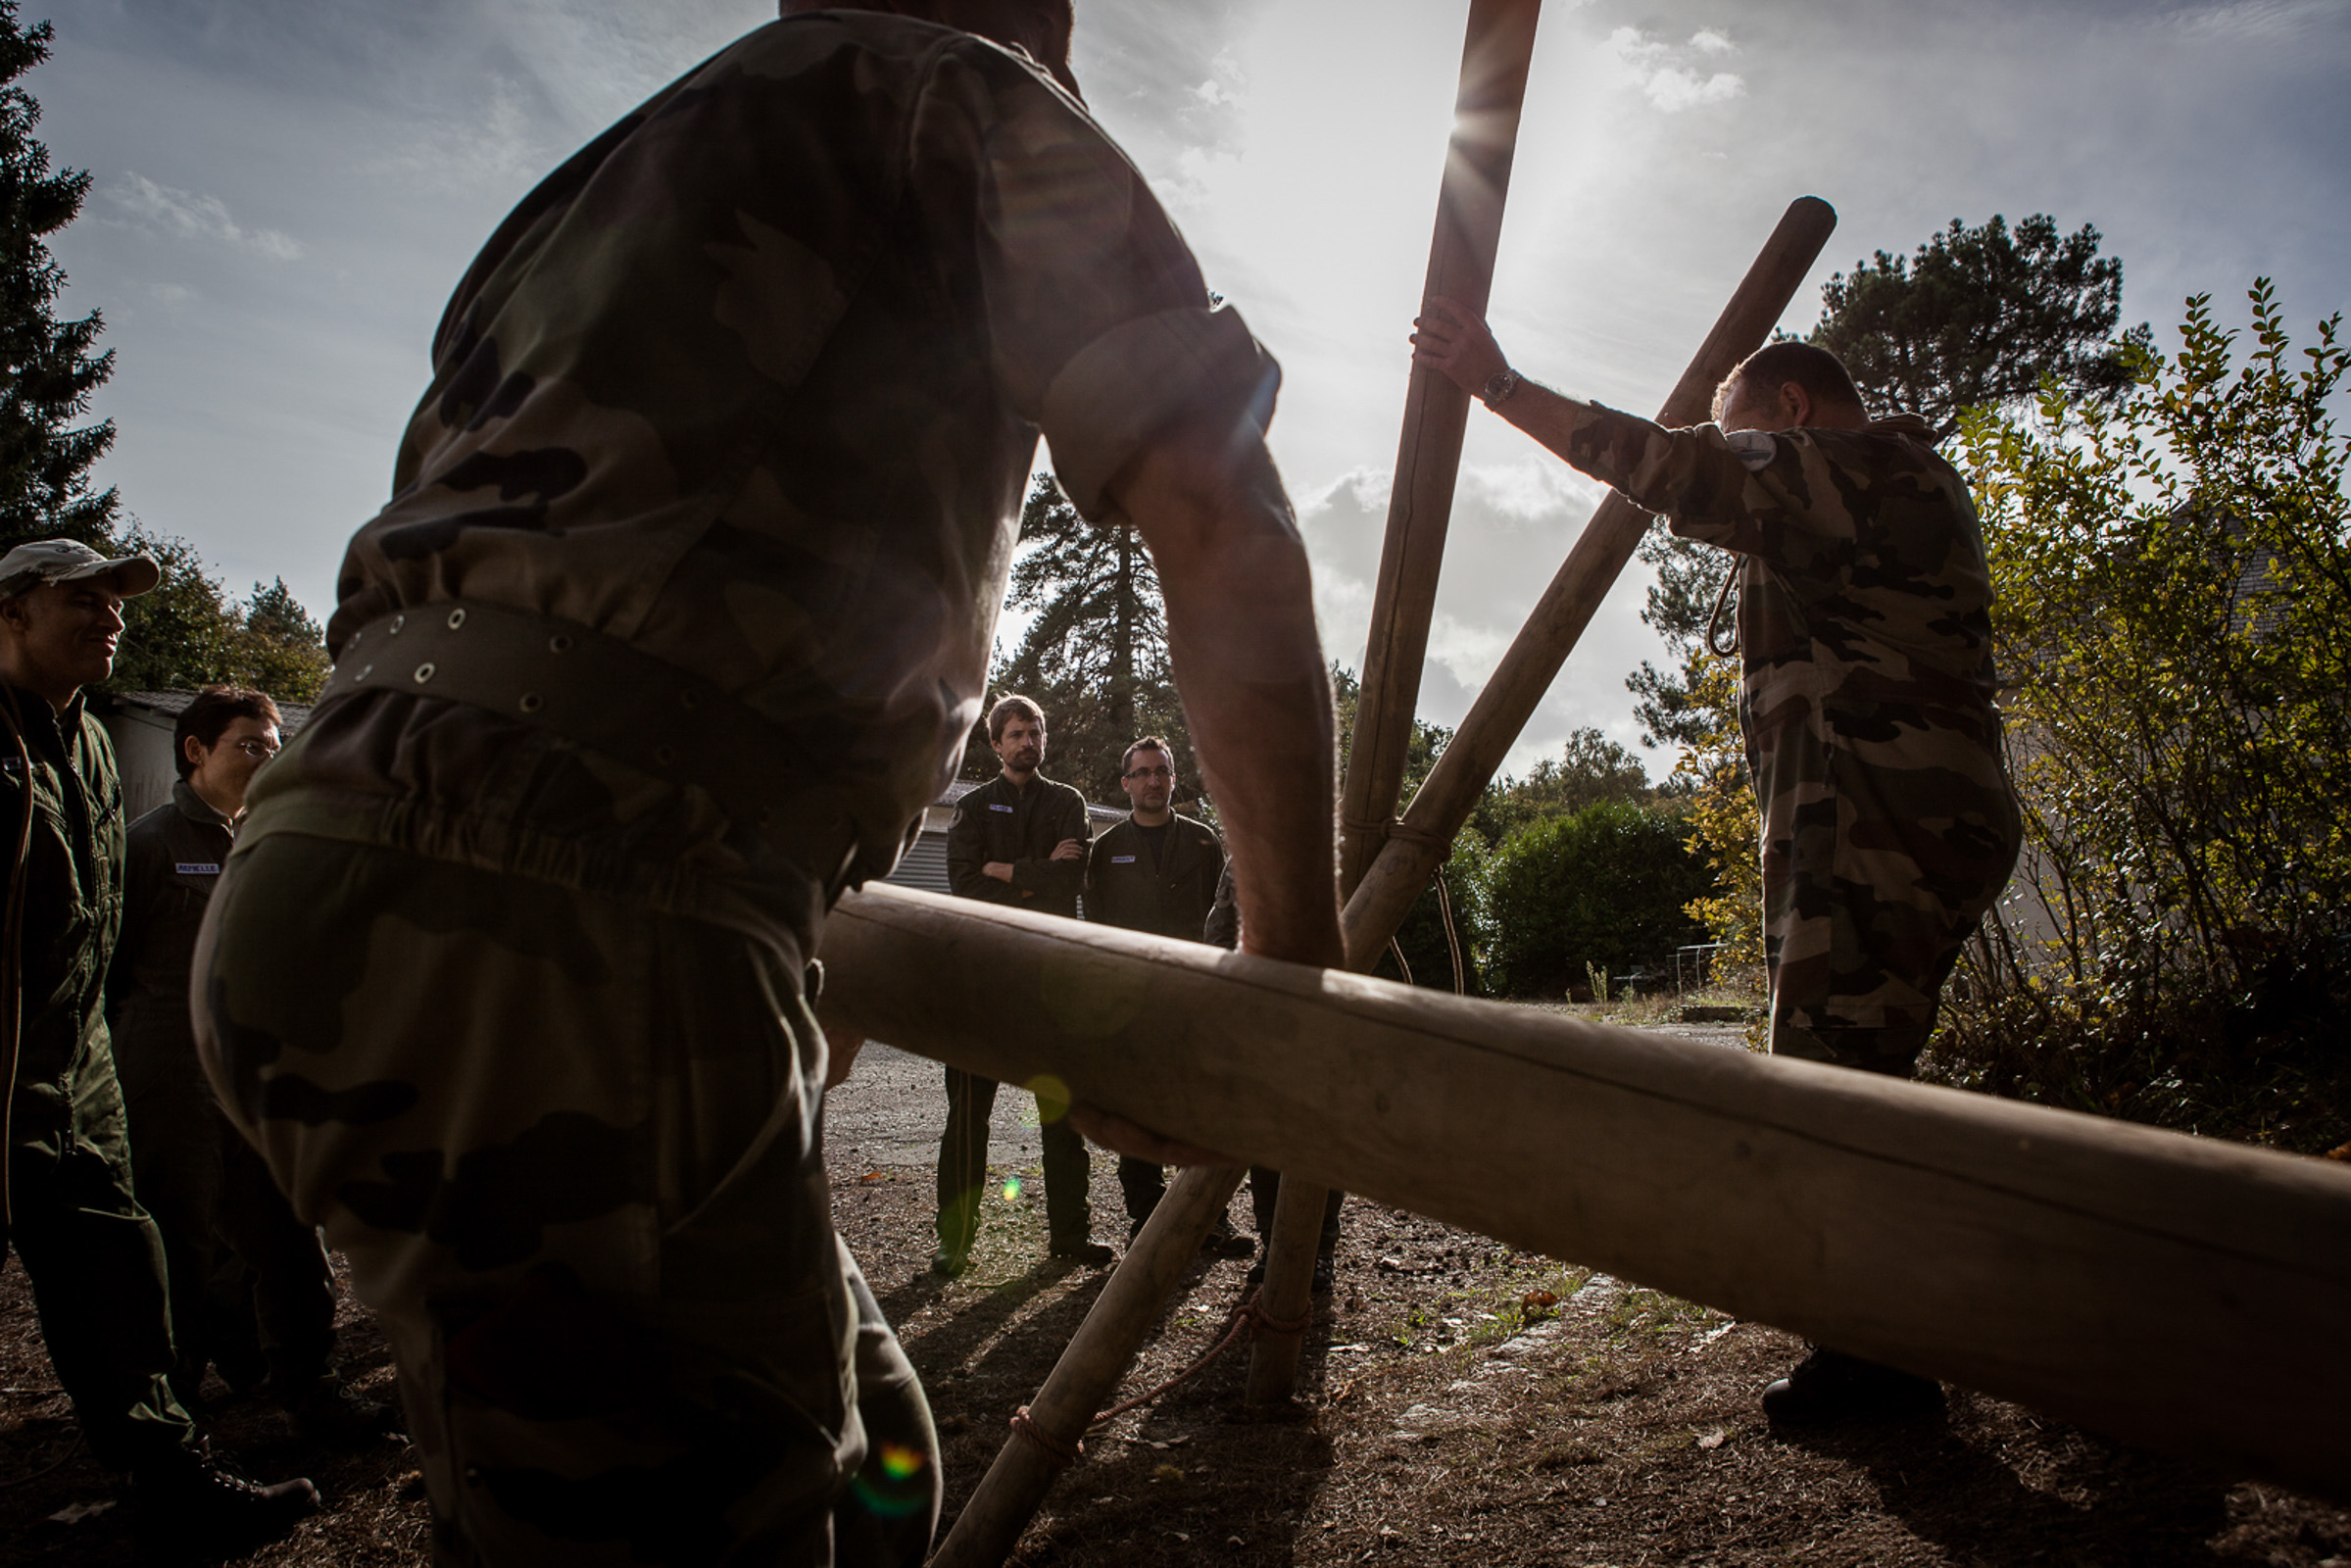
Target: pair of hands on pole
<point x="1449" y="339"/>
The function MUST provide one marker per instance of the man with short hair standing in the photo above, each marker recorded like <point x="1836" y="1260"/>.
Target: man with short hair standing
<point x="1019" y="841"/>
<point x="676" y="619"/>
<point x="1864" y="621"/>
<point x="212" y="1197"/>
<point x="90" y="1251"/>
<point x="1158" y="872"/>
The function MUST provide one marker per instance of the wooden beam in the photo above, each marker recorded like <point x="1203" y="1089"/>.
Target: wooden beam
<point x="1494" y="56"/>
<point x="2176" y="1292"/>
<point x="1383" y="894"/>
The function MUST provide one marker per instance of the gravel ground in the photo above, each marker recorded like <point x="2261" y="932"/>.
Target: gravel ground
<point x="1460" y="1403"/>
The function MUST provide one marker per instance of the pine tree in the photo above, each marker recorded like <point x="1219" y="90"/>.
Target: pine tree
<point x="1977" y="316"/>
<point x="47" y="369"/>
<point x="1095" y="657"/>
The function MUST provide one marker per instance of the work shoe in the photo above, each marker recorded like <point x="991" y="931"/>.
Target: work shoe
<point x="327" y="1410"/>
<point x="949" y="1265"/>
<point x="1225" y="1242"/>
<point x="1829" y="1387"/>
<point x="1091" y="1254"/>
<point x="193" y="1504"/>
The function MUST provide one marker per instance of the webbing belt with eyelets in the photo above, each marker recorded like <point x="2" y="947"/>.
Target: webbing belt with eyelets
<point x="608" y="696"/>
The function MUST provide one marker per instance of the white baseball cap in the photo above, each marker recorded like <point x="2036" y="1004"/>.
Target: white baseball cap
<point x="28" y="566"/>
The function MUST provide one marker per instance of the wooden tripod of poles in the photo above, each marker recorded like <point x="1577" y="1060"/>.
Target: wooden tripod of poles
<point x="1384" y="862"/>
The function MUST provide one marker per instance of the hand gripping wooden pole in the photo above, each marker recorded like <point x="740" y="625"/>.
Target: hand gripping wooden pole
<point x="1045" y="1435"/>
<point x="1494" y="57"/>
<point x="2180" y="1293"/>
<point x="1383" y="892"/>
<point x="1381" y="896"/>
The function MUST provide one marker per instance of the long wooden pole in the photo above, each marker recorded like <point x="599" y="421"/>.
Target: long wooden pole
<point x="1494" y="57"/>
<point x="2172" y="1291"/>
<point x="1009" y="1493"/>
<point x="1383" y="895"/>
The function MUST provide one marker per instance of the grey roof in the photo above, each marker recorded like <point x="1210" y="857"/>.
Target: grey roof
<point x="291" y="717"/>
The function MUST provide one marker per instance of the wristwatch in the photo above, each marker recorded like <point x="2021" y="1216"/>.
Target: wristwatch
<point x="1499" y="386"/>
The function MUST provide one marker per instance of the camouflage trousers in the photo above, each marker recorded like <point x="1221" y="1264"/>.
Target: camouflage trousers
<point x="1876" y="866"/>
<point x="572" y="1151"/>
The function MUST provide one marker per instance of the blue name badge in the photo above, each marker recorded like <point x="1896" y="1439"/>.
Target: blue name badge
<point x="1122" y="859"/>
<point x="993" y="807"/>
<point x="198" y="867"/>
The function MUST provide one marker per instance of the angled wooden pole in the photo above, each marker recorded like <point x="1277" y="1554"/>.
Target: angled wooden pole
<point x="2180" y="1293"/>
<point x="1383" y="894"/>
<point x="1287" y="1290"/>
<point x="1494" y="57"/>
<point x="1009" y="1494"/>
<point x="1496" y="49"/>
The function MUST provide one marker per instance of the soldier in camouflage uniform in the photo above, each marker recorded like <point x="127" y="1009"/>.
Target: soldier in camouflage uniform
<point x="90" y="1251"/>
<point x="1890" y="826"/>
<point x="676" y="619"/>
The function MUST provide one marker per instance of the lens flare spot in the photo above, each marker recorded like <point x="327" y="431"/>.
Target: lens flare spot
<point x="900" y="1461"/>
<point x="1052" y="1098"/>
<point x="1011" y="1188"/>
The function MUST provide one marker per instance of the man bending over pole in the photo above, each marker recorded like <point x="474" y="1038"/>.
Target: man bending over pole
<point x="1864" y="624"/>
<point x="678" y="618"/>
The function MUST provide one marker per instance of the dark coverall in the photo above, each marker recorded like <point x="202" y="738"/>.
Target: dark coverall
<point x="237" y="1252"/>
<point x="93" y="1254"/>
<point x="1166" y="890"/>
<point x="1021" y="826"/>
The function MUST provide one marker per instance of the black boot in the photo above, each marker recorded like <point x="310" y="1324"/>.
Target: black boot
<point x="193" y="1504"/>
<point x="1829" y="1387"/>
<point x="329" y="1411"/>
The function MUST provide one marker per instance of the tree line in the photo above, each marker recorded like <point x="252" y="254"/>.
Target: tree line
<point x="191" y="631"/>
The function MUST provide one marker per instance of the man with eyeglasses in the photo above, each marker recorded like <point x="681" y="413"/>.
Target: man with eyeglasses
<point x="251" y="1287"/>
<point x="1158" y="872"/>
<point x="90" y="1251"/>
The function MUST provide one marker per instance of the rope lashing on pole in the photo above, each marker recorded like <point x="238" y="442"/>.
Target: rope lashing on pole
<point x="1244" y="1323"/>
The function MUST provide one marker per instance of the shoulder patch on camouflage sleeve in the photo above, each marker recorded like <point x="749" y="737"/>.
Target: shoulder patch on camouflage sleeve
<point x="1754" y="449"/>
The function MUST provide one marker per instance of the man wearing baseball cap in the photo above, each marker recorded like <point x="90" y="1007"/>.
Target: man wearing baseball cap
<point x="92" y="1254"/>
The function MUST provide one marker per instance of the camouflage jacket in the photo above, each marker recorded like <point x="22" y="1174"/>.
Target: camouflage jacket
<point x="73" y="910"/>
<point x="1864" y="602"/>
<point x="998" y="821"/>
<point x="754" y="382"/>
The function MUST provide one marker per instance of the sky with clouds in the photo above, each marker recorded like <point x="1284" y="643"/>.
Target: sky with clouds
<point x="284" y="192"/>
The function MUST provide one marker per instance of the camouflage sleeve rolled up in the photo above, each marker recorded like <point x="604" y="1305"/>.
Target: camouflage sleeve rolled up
<point x="1863" y="559"/>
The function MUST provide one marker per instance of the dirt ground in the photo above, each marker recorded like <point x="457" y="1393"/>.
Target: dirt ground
<point x="1462" y="1403"/>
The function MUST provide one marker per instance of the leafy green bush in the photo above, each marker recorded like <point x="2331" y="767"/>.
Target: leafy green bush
<point x="2173" y="577"/>
<point x="1607" y="886"/>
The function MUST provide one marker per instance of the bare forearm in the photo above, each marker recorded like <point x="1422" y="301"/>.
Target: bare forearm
<point x="1257" y="695"/>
